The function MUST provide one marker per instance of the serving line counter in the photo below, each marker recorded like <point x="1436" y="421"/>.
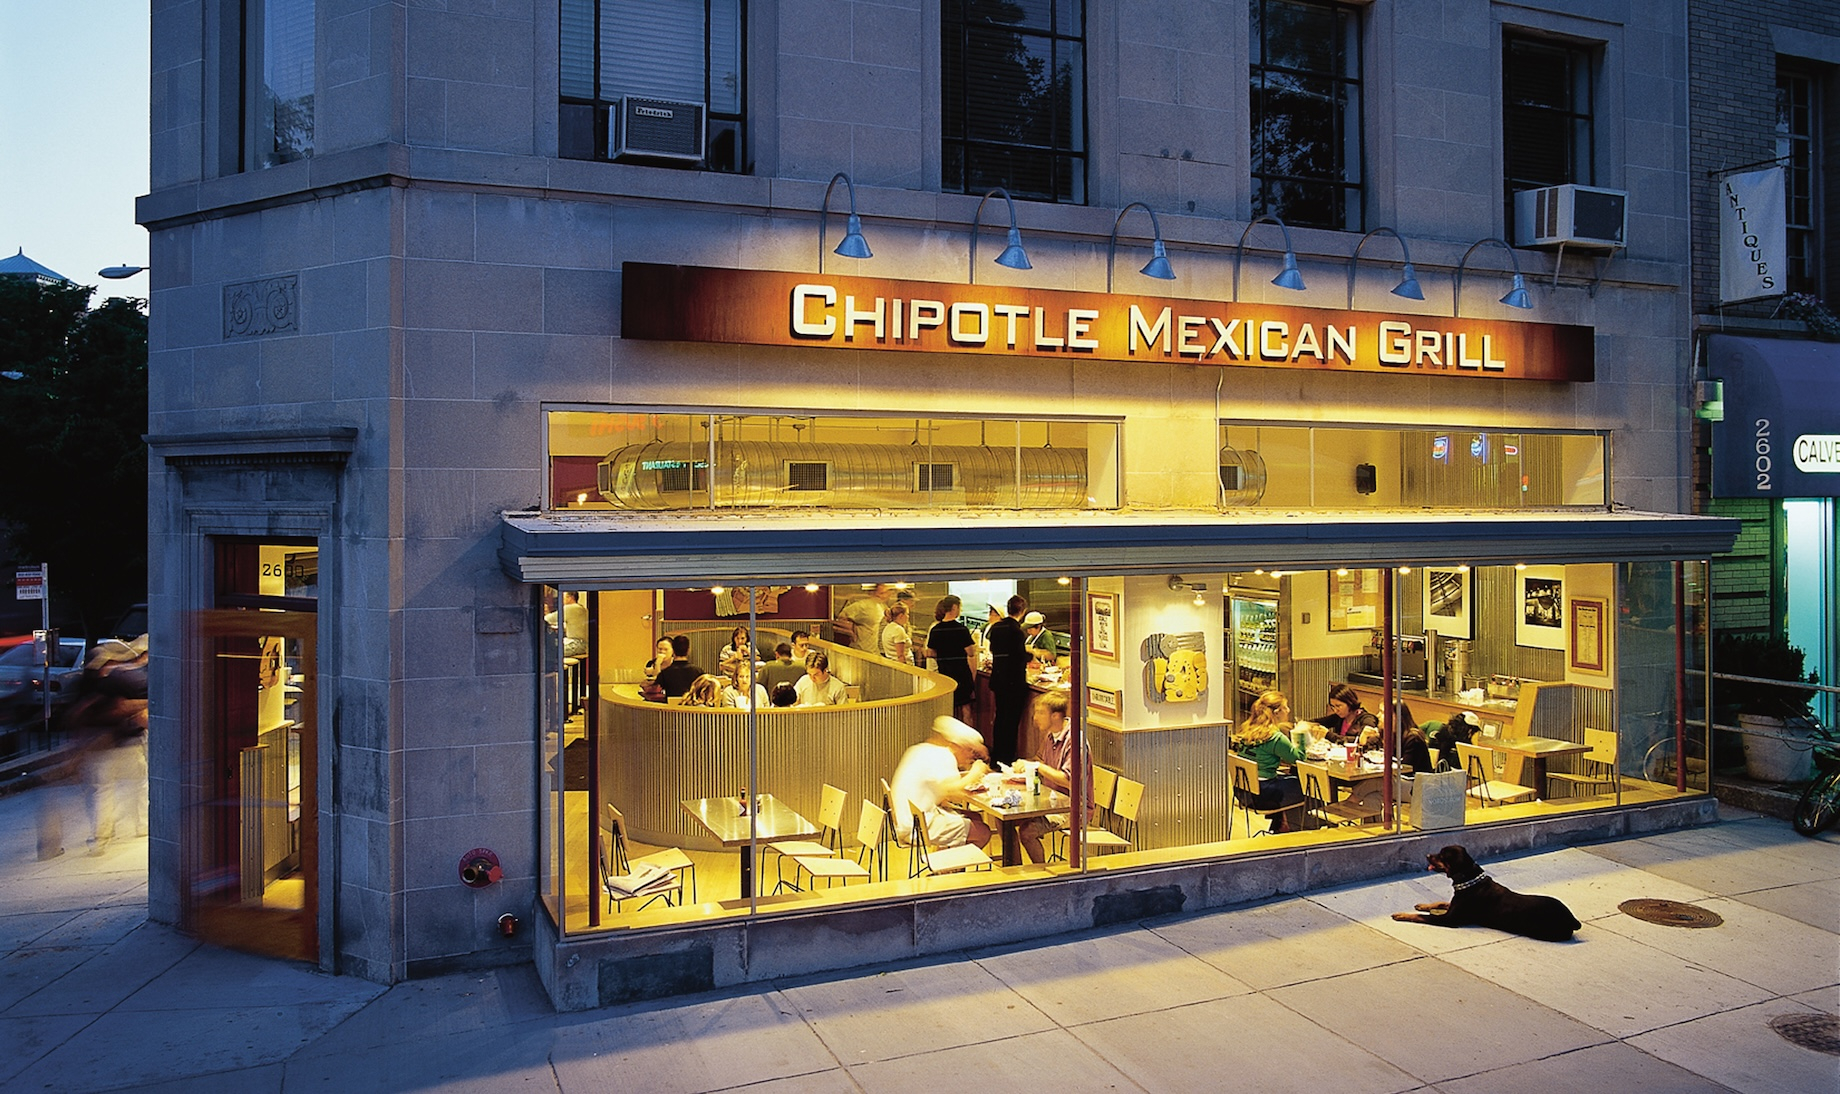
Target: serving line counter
<point x="654" y="757"/>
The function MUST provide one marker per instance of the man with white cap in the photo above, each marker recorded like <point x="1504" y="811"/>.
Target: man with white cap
<point x="1041" y="639"/>
<point x="940" y="769"/>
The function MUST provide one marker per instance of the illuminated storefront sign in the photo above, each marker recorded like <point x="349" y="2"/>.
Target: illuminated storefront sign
<point x="766" y="308"/>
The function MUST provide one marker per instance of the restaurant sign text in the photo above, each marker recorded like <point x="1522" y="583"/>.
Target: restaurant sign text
<point x="767" y="308"/>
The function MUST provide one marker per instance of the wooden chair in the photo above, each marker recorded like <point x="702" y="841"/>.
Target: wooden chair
<point x="1596" y="767"/>
<point x="833" y="867"/>
<point x="1314" y="778"/>
<point x="1244" y="774"/>
<point x="1099" y="837"/>
<point x="1479" y="766"/>
<point x="941" y="860"/>
<point x="615" y="862"/>
<point x="830" y="819"/>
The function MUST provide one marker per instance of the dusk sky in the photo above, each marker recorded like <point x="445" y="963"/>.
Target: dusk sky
<point x="73" y="136"/>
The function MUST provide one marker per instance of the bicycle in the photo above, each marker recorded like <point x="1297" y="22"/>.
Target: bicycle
<point x="1819" y="805"/>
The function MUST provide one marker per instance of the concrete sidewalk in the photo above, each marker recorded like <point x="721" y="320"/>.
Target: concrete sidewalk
<point x="1317" y="993"/>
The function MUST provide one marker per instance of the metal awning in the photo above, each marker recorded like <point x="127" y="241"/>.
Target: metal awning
<point x="645" y="550"/>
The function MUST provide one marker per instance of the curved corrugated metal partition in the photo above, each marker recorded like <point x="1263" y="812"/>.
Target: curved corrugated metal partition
<point x="760" y="474"/>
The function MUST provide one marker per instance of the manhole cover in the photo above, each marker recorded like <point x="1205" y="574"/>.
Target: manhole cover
<point x="1820" y="1032"/>
<point x="1670" y="913"/>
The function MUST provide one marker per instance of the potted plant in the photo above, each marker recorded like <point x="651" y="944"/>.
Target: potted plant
<point x="1774" y="717"/>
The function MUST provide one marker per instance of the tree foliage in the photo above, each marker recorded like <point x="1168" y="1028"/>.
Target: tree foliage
<point x="73" y="466"/>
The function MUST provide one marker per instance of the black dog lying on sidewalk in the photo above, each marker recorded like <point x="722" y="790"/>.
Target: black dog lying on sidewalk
<point x="1480" y="902"/>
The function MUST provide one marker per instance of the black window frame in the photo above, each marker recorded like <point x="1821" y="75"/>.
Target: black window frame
<point x="1571" y="159"/>
<point x="1798" y="146"/>
<point x="1346" y="81"/>
<point x="576" y="114"/>
<point x="974" y="164"/>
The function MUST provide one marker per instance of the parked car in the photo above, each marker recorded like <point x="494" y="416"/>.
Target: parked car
<point x="22" y="680"/>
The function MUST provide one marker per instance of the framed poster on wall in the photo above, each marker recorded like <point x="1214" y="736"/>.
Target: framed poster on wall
<point x="1447" y="601"/>
<point x="1102" y="701"/>
<point x="1354" y="600"/>
<point x="1539" y="619"/>
<point x="1589" y="635"/>
<point x="1102" y="625"/>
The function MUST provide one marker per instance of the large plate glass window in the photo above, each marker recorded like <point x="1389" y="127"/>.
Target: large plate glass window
<point x="1306" y="113"/>
<point x="265" y="93"/>
<point x="634" y="460"/>
<point x="1013" y="85"/>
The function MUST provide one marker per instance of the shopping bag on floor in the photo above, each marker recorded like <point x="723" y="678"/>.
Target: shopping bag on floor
<point x="1437" y="799"/>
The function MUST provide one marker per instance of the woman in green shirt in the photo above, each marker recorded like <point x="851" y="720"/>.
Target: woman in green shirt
<point x="1265" y="739"/>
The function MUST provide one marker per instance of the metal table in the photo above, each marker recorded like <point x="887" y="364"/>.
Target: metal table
<point x="771" y="821"/>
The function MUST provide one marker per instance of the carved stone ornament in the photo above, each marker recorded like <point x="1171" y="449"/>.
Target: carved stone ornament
<point x="253" y="309"/>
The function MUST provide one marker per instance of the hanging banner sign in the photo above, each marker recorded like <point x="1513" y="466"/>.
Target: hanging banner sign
<point x="825" y="311"/>
<point x="1753" y="242"/>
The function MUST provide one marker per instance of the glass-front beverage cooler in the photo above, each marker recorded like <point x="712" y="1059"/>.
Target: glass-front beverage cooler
<point x="1257" y="646"/>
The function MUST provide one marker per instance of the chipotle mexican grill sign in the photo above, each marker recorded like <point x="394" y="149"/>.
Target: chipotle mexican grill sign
<point x="766" y="308"/>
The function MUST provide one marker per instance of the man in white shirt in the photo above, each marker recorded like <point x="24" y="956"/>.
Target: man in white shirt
<point x="864" y="618"/>
<point x="940" y="769"/>
<point x="819" y="688"/>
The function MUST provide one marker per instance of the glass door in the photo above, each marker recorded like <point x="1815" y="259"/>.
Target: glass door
<point x="251" y="826"/>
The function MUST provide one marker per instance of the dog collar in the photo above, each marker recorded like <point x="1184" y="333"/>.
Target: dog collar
<point x="1471" y="883"/>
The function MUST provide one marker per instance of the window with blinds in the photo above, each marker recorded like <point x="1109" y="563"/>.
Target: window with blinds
<point x="1547" y="131"/>
<point x="1013" y="90"/>
<point x="671" y="51"/>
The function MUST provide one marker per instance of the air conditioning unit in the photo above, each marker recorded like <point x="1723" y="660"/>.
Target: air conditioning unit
<point x="655" y="129"/>
<point x="1577" y="216"/>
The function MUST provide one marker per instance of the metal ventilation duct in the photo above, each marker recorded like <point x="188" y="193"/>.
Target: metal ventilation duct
<point x="677" y="475"/>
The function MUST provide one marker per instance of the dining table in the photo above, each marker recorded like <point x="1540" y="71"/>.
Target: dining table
<point x="991" y="799"/>
<point x="769" y="821"/>
<point x="1533" y="753"/>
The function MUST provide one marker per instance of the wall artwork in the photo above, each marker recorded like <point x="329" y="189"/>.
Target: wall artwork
<point x="1354" y="600"/>
<point x="1102" y="625"/>
<point x="1447" y="601"/>
<point x="1590" y="639"/>
<point x="1540" y="618"/>
<point x="1175" y="667"/>
<point x="1102" y="701"/>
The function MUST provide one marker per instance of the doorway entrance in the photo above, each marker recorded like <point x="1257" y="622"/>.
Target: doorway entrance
<point x="252" y="835"/>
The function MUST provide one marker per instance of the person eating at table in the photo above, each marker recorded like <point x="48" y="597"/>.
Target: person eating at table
<point x="706" y="691"/>
<point x="782" y="669"/>
<point x="741" y="686"/>
<point x="934" y="773"/>
<point x="661" y="660"/>
<point x="1346" y="721"/>
<point x="1411" y="748"/>
<point x="737" y="651"/>
<point x="819" y="688"/>
<point x="1053" y="760"/>
<point x="676" y="677"/>
<point x="1265" y="739"/>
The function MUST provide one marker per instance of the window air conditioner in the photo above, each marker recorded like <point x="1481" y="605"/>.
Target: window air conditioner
<point x="1578" y="216"/>
<point x="655" y="129"/>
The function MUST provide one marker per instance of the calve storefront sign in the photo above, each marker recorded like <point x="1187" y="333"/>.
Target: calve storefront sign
<point x="767" y="308"/>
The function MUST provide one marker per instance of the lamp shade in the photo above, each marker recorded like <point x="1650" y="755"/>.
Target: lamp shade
<point x="1408" y="287"/>
<point x="1517" y="296"/>
<point x="1013" y="256"/>
<point x="1289" y="277"/>
<point x="853" y="245"/>
<point x="1158" y="266"/>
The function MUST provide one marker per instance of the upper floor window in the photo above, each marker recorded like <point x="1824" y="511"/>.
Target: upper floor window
<point x="1797" y="145"/>
<point x="267" y="91"/>
<point x="653" y="80"/>
<point x="1547" y="100"/>
<point x="1306" y="113"/>
<point x="1013" y="85"/>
